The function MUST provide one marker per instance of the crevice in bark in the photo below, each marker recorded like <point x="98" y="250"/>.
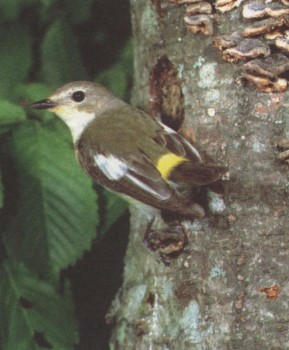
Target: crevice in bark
<point x="166" y="96"/>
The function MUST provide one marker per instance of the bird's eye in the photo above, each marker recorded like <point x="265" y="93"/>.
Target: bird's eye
<point x="78" y="96"/>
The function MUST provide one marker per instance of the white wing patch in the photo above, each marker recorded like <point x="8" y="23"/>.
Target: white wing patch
<point x="196" y="153"/>
<point x="113" y="168"/>
<point x="167" y="129"/>
<point x="143" y="186"/>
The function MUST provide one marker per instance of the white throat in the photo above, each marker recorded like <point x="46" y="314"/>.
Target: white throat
<point x="76" y="121"/>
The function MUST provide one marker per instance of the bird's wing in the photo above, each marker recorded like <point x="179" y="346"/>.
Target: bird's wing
<point x="140" y="180"/>
<point x="113" y="152"/>
<point x="137" y="178"/>
<point x="194" y="170"/>
<point x="175" y="143"/>
<point x="128" y="161"/>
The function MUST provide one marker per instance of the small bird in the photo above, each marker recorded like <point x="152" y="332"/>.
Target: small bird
<point x="129" y="152"/>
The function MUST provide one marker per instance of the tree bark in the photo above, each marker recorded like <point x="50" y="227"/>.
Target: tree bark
<point x="229" y="289"/>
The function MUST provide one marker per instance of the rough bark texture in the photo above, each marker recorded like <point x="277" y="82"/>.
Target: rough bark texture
<point x="217" y="295"/>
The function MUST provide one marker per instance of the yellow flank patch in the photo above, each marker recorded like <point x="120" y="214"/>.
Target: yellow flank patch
<point x="167" y="163"/>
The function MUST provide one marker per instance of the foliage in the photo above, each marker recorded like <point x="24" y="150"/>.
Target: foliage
<point x="50" y="213"/>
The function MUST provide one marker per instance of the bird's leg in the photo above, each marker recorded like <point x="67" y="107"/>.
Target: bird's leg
<point x="284" y="146"/>
<point x="166" y="243"/>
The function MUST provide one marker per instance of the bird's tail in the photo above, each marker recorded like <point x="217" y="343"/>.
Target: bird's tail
<point x="198" y="174"/>
<point x="192" y="181"/>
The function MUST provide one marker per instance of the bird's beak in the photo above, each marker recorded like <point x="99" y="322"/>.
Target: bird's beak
<point x="43" y="104"/>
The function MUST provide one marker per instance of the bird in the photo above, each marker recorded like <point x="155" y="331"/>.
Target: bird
<point x="129" y="152"/>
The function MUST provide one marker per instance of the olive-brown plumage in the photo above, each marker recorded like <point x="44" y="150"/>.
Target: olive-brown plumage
<point x="127" y="151"/>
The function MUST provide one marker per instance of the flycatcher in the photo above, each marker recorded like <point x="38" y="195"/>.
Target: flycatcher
<point x="127" y="151"/>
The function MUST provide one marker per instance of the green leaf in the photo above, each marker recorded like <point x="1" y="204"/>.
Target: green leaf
<point x="115" y="207"/>
<point x="55" y="214"/>
<point x="80" y="11"/>
<point x="33" y="92"/>
<point x="33" y="313"/>
<point x="10" y="114"/>
<point x="60" y="57"/>
<point x="15" y="57"/>
<point x="117" y="77"/>
<point x="12" y="9"/>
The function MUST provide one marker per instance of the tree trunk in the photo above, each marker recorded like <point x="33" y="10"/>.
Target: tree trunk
<point x="229" y="289"/>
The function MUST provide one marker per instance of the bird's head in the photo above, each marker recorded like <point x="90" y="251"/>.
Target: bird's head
<point x="78" y="103"/>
